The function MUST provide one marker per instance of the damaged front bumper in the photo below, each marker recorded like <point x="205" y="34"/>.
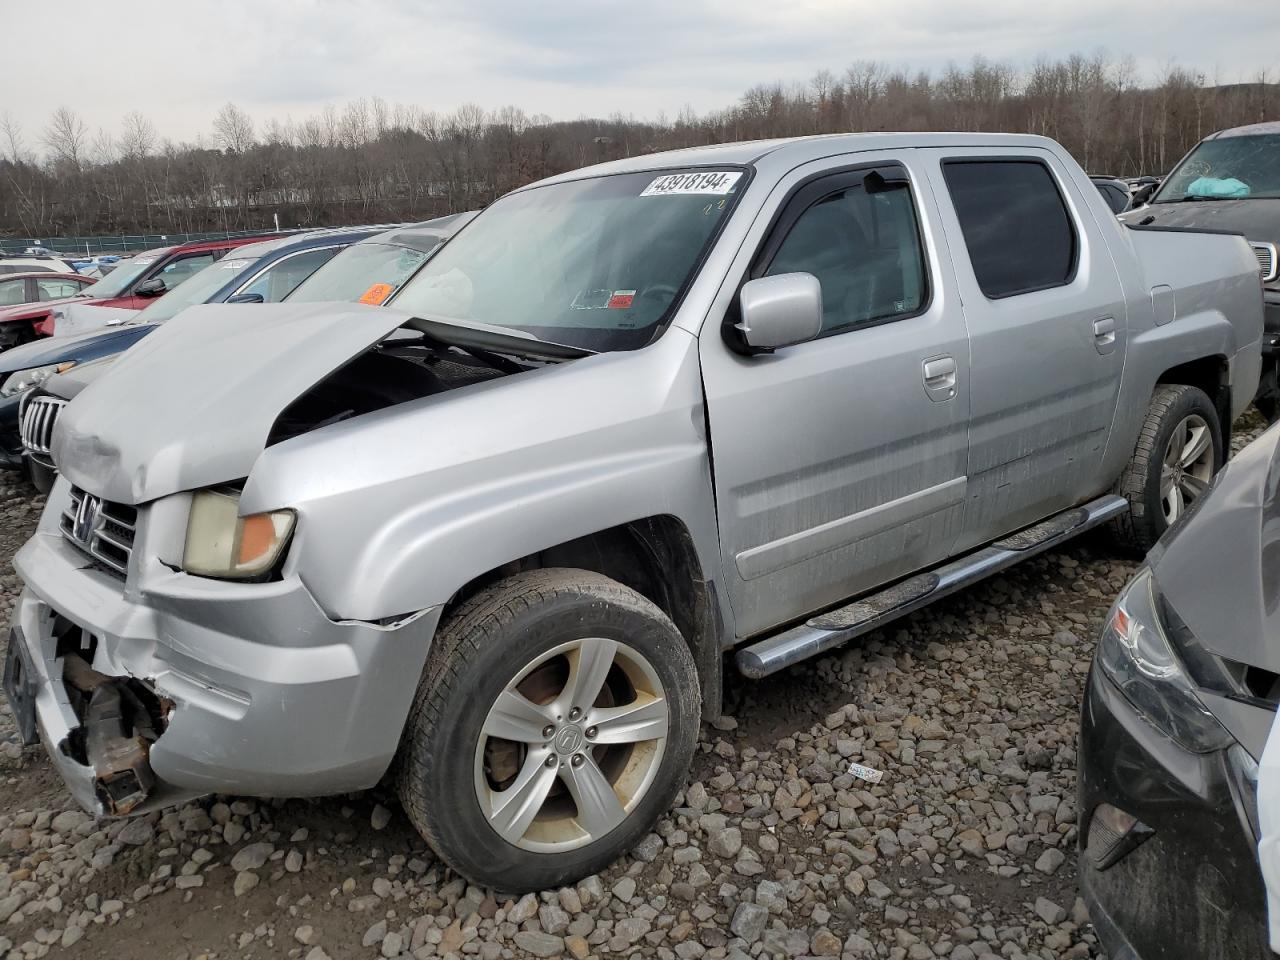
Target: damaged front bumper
<point x="183" y="686"/>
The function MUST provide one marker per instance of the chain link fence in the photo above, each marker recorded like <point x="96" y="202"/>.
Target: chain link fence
<point x="115" y="243"/>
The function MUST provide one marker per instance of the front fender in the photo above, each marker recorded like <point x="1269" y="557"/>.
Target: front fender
<point x="400" y="508"/>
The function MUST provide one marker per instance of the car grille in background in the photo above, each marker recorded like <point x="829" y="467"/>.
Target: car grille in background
<point x="1268" y="262"/>
<point x="102" y="529"/>
<point x="38" y="417"/>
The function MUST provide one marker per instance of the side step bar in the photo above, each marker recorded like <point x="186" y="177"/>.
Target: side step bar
<point x="835" y="627"/>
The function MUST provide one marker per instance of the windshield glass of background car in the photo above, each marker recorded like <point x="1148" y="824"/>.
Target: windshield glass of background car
<point x="594" y="263"/>
<point x="1254" y="161"/>
<point x="119" y="279"/>
<point x="369" y="272"/>
<point x="198" y="289"/>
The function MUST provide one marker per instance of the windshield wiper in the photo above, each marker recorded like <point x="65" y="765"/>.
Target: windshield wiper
<point x="485" y="336"/>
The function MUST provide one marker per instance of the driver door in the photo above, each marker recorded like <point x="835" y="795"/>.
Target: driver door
<point x="840" y="463"/>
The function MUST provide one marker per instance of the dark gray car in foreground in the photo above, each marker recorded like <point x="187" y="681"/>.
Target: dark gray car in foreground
<point x="1177" y="712"/>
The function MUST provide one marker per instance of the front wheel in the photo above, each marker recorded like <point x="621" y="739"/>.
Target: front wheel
<point x="1178" y="452"/>
<point x="554" y="724"/>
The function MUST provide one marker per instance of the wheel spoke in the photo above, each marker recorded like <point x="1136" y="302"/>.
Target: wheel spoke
<point x="1197" y="443"/>
<point x="1177" y="441"/>
<point x="1192" y="486"/>
<point x="513" y="809"/>
<point x="1166" y="483"/>
<point x="588" y="667"/>
<point x="515" y="717"/>
<point x="1173" y="508"/>
<point x="644" y="719"/>
<point x="599" y="809"/>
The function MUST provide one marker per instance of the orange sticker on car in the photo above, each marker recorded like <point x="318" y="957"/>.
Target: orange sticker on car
<point x="376" y="294"/>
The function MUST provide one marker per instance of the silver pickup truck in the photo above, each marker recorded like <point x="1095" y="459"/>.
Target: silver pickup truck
<point x="633" y="423"/>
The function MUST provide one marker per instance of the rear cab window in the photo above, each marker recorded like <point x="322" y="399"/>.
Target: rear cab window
<point x="1016" y="227"/>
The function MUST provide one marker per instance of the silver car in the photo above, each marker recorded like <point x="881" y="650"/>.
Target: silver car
<point x="758" y="398"/>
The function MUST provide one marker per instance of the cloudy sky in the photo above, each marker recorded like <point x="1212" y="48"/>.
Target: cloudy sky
<point x="178" y="61"/>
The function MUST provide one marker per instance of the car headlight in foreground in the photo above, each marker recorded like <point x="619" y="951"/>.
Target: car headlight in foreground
<point x="1136" y="655"/>
<point x="223" y="544"/>
<point x="24" y="380"/>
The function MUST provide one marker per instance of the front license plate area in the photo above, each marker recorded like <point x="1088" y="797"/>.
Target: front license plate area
<point x="20" y="686"/>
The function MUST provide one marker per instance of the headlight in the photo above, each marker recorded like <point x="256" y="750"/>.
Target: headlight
<point x="24" y="380"/>
<point x="223" y="544"/>
<point x="1135" y="653"/>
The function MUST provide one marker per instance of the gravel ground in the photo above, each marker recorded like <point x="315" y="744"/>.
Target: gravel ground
<point x="965" y="849"/>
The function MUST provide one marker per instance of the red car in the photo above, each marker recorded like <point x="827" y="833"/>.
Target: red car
<point x="132" y="285"/>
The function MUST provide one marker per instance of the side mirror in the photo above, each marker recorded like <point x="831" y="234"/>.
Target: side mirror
<point x="150" y="288"/>
<point x="246" y="298"/>
<point x="1143" y="194"/>
<point x="780" y="311"/>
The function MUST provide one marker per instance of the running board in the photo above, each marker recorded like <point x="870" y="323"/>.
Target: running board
<point x="835" y="627"/>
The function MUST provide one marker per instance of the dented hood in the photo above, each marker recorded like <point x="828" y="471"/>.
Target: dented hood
<point x="192" y="404"/>
<point x="1220" y="571"/>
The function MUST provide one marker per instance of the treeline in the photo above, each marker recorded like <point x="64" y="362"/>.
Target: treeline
<point x="370" y="161"/>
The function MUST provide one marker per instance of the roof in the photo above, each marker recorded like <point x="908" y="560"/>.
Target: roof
<point x="793" y="151"/>
<point x="309" y="239"/>
<point x="1250" y="130"/>
<point x="47" y="275"/>
<point x="197" y="246"/>
<point x="428" y="234"/>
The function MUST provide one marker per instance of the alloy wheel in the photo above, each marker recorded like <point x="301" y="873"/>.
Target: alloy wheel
<point x="571" y="744"/>
<point x="1187" y="466"/>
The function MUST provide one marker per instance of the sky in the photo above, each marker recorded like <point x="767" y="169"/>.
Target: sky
<point x="179" y="61"/>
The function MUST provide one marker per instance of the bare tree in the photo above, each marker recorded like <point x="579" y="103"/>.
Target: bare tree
<point x="233" y="129"/>
<point x="66" y="136"/>
<point x="138" y="137"/>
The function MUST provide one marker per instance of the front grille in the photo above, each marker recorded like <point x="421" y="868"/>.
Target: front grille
<point x="39" y="414"/>
<point x="101" y="528"/>
<point x="1268" y="261"/>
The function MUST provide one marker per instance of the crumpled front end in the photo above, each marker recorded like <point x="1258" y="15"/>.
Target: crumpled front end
<point x="151" y="686"/>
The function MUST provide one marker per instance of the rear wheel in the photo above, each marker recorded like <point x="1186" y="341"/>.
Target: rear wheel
<point x="1178" y="452"/>
<point x="554" y="724"/>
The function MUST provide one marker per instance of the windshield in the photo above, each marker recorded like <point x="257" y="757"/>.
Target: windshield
<point x="369" y="272"/>
<point x="198" y="289"/>
<point x="595" y="263"/>
<point x="122" y="277"/>
<point x="1233" y="167"/>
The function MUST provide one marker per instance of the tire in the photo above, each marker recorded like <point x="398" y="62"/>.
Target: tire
<point x="533" y="629"/>
<point x="1146" y="480"/>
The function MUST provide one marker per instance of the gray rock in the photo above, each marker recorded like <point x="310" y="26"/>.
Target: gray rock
<point x="1050" y="861"/>
<point x="725" y="843"/>
<point x="251" y="857"/>
<point x="539" y="944"/>
<point x="1050" y="912"/>
<point x="749" y="921"/>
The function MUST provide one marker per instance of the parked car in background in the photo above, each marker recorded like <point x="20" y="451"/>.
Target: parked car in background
<point x="1114" y="191"/>
<point x="1231" y="181"/>
<point x="132" y="285"/>
<point x="760" y="397"/>
<point x="20" y="288"/>
<point x="258" y="273"/>
<point x="35" y="265"/>
<point x="1178" y="709"/>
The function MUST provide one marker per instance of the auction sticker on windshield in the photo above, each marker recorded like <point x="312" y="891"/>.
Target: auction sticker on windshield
<point x="713" y="182"/>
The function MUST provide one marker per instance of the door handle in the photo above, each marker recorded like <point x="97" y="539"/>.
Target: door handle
<point x="940" y="378"/>
<point x="1104" y="335"/>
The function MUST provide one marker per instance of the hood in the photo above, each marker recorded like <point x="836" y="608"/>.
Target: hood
<point x="1258" y="218"/>
<point x="87" y="316"/>
<point x="79" y="347"/>
<point x="1220" y="571"/>
<point x="193" y="404"/>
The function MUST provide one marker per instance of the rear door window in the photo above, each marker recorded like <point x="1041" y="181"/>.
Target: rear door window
<point x="1015" y="223"/>
<point x="54" y="289"/>
<point x="282" y="277"/>
<point x="13" y="292"/>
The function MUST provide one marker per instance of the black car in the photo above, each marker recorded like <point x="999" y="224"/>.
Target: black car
<point x="1115" y="191"/>
<point x="1231" y="181"/>
<point x="1178" y="709"/>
